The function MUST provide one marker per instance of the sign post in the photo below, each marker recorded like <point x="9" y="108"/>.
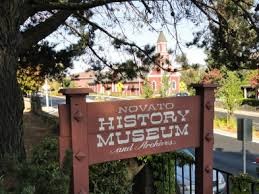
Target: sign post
<point x="244" y="134"/>
<point x="105" y="131"/>
<point x="204" y="153"/>
<point x="46" y="90"/>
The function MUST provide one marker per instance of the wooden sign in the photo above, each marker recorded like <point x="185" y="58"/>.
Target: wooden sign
<point x="105" y="131"/>
<point x="131" y="128"/>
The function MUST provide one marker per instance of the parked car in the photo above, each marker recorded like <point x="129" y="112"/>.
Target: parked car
<point x="182" y="94"/>
<point x="186" y="178"/>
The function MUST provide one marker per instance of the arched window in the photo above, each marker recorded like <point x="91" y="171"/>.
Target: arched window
<point x="154" y="85"/>
<point x="174" y="85"/>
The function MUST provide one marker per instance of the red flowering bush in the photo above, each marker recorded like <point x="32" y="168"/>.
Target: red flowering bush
<point x="212" y="77"/>
<point x="254" y="81"/>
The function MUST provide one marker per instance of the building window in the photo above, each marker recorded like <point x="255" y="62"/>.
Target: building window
<point x="154" y="85"/>
<point x="174" y="85"/>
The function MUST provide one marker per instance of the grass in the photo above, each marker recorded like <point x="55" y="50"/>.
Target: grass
<point x="231" y="126"/>
<point x="221" y="123"/>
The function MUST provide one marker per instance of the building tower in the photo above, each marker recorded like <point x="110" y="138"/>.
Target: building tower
<point x="156" y="74"/>
<point x="161" y="46"/>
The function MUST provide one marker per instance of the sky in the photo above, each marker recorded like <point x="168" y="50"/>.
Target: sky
<point x="194" y="54"/>
<point x="140" y="37"/>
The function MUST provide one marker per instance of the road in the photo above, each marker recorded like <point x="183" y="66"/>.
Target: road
<point x="227" y="150"/>
<point x="228" y="155"/>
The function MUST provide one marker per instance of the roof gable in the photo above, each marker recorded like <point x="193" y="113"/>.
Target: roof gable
<point x="161" y="37"/>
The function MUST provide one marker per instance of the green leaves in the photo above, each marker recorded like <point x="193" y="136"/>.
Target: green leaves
<point x="165" y="85"/>
<point x="234" y="42"/>
<point x="241" y="184"/>
<point x="148" y="92"/>
<point x="230" y="92"/>
<point x="109" y="178"/>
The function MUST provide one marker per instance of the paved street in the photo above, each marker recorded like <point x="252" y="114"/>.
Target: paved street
<point x="228" y="155"/>
<point x="53" y="101"/>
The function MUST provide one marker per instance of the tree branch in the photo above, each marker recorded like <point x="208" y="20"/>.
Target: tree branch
<point x="110" y="35"/>
<point x="43" y="5"/>
<point x="200" y="6"/>
<point x="42" y="30"/>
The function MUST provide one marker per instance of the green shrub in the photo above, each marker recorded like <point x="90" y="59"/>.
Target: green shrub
<point x="250" y="102"/>
<point x="241" y="184"/>
<point x="110" y="178"/>
<point x="41" y="174"/>
<point x="222" y="123"/>
<point x="163" y="169"/>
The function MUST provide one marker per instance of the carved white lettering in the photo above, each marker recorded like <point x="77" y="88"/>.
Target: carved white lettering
<point x="109" y="123"/>
<point x="101" y="142"/>
<point x="179" y="132"/>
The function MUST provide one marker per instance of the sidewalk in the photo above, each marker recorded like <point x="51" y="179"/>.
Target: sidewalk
<point x="50" y="110"/>
<point x="239" y="112"/>
<point x="231" y="134"/>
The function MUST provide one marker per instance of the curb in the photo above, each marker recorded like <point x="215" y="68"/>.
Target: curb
<point x="239" y="112"/>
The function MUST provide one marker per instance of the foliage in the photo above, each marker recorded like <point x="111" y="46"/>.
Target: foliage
<point x="148" y="91"/>
<point x="39" y="62"/>
<point x="213" y="76"/>
<point x="230" y="92"/>
<point x="109" y="178"/>
<point x="183" y="87"/>
<point x="54" y="87"/>
<point x="162" y="172"/>
<point x="191" y="76"/>
<point x="29" y="79"/>
<point x="223" y="123"/>
<point x="247" y="75"/>
<point x="43" y="171"/>
<point x="254" y="81"/>
<point x="234" y="43"/>
<point x="165" y="85"/>
<point x="241" y="183"/>
<point x="40" y="174"/>
<point x="250" y="102"/>
<point x="66" y="82"/>
<point x="183" y="61"/>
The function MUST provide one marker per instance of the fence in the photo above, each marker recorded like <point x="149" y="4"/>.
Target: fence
<point x="177" y="178"/>
<point x="184" y="177"/>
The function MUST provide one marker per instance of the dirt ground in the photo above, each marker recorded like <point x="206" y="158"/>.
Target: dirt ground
<point x="35" y="129"/>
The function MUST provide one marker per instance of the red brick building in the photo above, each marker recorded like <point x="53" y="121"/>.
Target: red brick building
<point x="134" y="87"/>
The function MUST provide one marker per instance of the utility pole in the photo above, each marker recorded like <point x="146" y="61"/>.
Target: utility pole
<point x="46" y="88"/>
<point x="244" y="134"/>
<point x="244" y="155"/>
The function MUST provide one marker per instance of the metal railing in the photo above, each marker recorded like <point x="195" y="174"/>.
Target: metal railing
<point x="217" y="181"/>
<point x="170" y="177"/>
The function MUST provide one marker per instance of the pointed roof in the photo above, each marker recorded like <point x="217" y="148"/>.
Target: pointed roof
<point x="161" y="37"/>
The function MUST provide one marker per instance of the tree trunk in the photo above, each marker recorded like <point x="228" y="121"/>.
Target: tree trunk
<point x="11" y="101"/>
